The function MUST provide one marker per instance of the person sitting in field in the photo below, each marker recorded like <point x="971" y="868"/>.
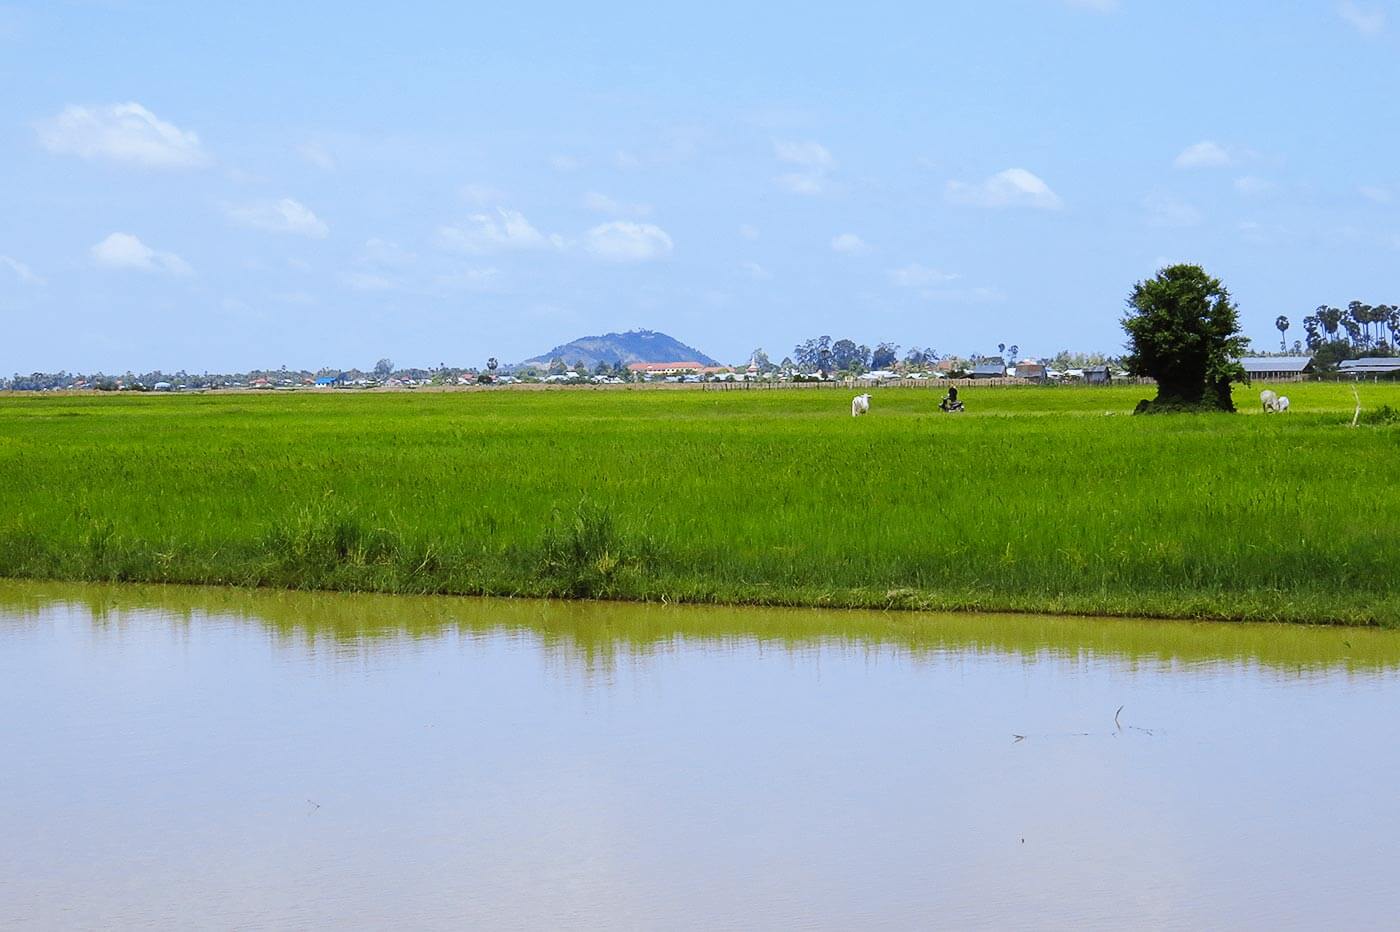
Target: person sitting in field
<point x="951" y="402"/>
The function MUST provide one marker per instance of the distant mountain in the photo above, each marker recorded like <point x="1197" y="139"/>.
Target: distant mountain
<point x="632" y="346"/>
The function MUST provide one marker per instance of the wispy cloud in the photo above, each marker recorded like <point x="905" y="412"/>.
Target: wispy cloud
<point x="481" y="194"/>
<point x="316" y="154"/>
<point x="500" y="231"/>
<point x="623" y="241"/>
<point x="385" y="253"/>
<point x="1015" y="187"/>
<point x="607" y="205"/>
<point x="1367" y="20"/>
<point x="1376" y="194"/>
<point x="126" y="251"/>
<point x="748" y="231"/>
<point x="281" y="216"/>
<point x="915" y="275"/>
<point x="121" y="133"/>
<point x="811" y="166"/>
<point x="368" y="281"/>
<point x="20" y="271"/>
<point x="756" y="271"/>
<point x="1164" y="210"/>
<point x="1253" y="186"/>
<point x="471" y="279"/>
<point x="1205" y="154"/>
<point x="849" y="244"/>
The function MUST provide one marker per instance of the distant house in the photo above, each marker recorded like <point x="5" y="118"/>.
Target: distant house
<point x="688" y="367"/>
<point x="989" y="370"/>
<point x="1098" y="375"/>
<point x="1277" y="368"/>
<point x="1372" y="367"/>
<point x="1031" y="370"/>
<point x="163" y="386"/>
<point x="327" y="381"/>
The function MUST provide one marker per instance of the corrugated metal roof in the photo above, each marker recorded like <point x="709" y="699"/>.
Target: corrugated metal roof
<point x="1371" y="364"/>
<point x="1275" y="363"/>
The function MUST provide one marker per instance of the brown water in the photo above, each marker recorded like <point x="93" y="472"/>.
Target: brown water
<point x="185" y="757"/>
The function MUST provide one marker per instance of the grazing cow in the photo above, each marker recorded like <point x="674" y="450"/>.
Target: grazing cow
<point x="860" y="404"/>
<point x="1281" y="406"/>
<point x="1269" y="399"/>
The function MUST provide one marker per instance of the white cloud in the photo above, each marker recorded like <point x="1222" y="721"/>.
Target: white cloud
<point x="623" y="241"/>
<point x="1376" y="194"/>
<point x="21" y="271"/>
<point x="1014" y="187"/>
<point x="316" y="154"/>
<point x="812" y="166"/>
<point x="748" y="231"/>
<point x="982" y="294"/>
<point x="1205" y="154"/>
<point x="1253" y="186"/>
<point x="382" y="252"/>
<point x="1367" y="20"/>
<point x="606" y="205"/>
<point x="500" y="231"/>
<point x="849" y="244"/>
<point x="756" y="271"/>
<point x="125" y="251"/>
<point x="1164" y="210"/>
<point x="368" y="281"/>
<point x="915" y="275"/>
<point x="472" y="279"/>
<point x="1260" y="233"/>
<point x="122" y="133"/>
<point x="481" y="194"/>
<point x="282" y="216"/>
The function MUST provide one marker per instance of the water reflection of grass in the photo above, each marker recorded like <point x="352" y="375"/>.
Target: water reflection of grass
<point x="597" y="634"/>
<point x="1034" y="501"/>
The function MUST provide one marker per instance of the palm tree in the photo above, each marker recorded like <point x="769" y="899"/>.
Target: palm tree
<point x="1330" y="318"/>
<point x="1361" y="313"/>
<point x="1392" y="320"/>
<point x="1281" y="323"/>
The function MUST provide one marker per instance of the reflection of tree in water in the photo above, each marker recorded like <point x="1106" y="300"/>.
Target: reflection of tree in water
<point x="592" y="638"/>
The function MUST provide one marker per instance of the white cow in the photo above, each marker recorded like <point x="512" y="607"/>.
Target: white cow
<point x="1269" y="400"/>
<point x="860" y="404"/>
<point x="1281" y="405"/>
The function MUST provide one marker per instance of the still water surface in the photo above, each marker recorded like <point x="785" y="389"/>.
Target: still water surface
<point x="190" y="757"/>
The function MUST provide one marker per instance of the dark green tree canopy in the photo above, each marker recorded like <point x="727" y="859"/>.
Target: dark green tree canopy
<point x="1184" y="332"/>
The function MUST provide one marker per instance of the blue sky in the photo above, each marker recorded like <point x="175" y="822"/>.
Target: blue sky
<point x="223" y="186"/>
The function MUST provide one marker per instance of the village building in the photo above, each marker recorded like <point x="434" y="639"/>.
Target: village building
<point x="1277" y="368"/>
<point x="1371" y="367"/>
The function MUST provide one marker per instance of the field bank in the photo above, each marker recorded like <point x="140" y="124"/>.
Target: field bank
<point x="1046" y="499"/>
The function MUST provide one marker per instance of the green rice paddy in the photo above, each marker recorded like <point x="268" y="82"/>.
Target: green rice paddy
<point x="1036" y="499"/>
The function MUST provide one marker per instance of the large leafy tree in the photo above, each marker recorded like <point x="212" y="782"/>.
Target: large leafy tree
<point x="1184" y="332"/>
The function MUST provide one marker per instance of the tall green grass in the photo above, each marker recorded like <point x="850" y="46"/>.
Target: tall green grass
<point x="1033" y="500"/>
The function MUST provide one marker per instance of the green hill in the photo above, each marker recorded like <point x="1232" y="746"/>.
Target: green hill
<point x="632" y="346"/>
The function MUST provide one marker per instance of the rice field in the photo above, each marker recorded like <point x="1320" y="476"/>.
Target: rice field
<point x="1036" y="499"/>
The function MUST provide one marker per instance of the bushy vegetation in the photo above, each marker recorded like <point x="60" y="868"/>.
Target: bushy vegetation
<point x="1033" y="500"/>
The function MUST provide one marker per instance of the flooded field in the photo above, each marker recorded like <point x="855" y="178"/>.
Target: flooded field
<point x="177" y="757"/>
